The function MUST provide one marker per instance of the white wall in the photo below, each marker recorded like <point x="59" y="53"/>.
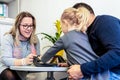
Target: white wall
<point x="109" y="7"/>
<point x="13" y="9"/>
<point x="47" y="11"/>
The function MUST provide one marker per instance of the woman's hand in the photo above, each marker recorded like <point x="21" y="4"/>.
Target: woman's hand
<point x="24" y="61"/>
<point x="29" y="59"/>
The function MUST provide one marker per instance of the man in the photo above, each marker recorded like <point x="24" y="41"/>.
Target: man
<point x="104" y="36"/>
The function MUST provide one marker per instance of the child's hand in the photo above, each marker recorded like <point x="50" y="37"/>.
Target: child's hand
<point x="63" y="64"/>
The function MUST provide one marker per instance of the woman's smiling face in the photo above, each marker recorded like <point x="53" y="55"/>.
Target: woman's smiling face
<point x="26" y="27"/>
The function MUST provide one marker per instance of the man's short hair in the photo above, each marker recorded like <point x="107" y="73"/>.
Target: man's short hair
<point x="77" y="5"/>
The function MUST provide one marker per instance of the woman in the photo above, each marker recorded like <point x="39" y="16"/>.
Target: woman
<point x="19" y="46"/>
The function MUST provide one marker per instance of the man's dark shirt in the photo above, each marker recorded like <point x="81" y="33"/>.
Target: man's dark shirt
<point x="104" y="37"/>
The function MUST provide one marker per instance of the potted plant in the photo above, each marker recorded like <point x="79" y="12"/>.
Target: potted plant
<point x="57" y="35"/>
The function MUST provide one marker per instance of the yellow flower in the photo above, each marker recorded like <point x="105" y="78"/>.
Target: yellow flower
<point x="58" y="26"/>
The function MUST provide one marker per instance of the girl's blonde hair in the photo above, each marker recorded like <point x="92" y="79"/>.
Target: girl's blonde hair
<point x="76" y="17"/>
<point x="15" y="29"/>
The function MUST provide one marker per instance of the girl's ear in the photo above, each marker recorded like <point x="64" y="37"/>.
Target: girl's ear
<point x="66" y="23"/>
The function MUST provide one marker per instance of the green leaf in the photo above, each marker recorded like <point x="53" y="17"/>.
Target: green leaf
<point x="49" y="37"/>
<point x="57" y="35"/>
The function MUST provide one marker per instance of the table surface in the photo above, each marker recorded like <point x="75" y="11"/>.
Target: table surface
<point x="33" y="68"/>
